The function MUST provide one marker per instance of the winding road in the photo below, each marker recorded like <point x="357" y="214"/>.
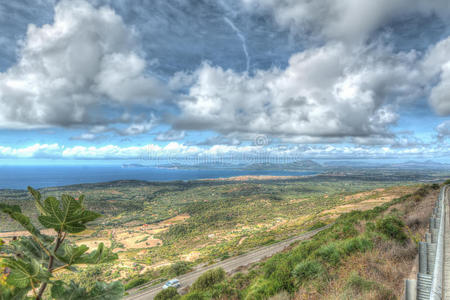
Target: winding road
<point x="144" y="292"/>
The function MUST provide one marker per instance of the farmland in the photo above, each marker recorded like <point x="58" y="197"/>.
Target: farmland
<point x="161" y="230"/>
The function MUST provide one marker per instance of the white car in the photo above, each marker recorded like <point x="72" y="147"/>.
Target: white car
<point x="172" y="283"/>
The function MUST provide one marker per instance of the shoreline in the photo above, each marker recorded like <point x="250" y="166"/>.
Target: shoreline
<point x="219" y="178"/>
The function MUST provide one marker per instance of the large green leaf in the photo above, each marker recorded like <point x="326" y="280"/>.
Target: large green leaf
<point x="27" y="247"/>
<point x="67" y="215"/>
<point x="14" y="294"/>
<point x="107" y="291"/>
<point x="24" y="273"/>
<point x="71" y="255"/>
<point x="72" y="291"/>
<point x="37" y="198"/>
<point x="15" y="213"/>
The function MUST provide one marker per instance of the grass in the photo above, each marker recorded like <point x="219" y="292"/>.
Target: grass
<point x="225" y="219"/>
<point x="329" y="265"/>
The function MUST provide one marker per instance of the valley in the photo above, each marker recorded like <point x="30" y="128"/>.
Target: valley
<point x="162" y="230"/>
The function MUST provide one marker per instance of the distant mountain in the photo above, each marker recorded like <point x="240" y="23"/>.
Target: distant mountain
<point x="429" y="164"/>
<point x="349" y="163"/>
<point x="203" y="166"/>
<point x="296" y="165"/>
<point x="134" y="166"/>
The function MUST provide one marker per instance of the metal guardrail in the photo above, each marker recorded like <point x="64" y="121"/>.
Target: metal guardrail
<point x="428" y="285"/>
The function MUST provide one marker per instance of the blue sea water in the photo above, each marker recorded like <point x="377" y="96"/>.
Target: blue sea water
<point x="19" y="177"/>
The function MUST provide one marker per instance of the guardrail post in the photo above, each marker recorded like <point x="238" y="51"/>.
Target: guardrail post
<point x="434" y="235"/>
<point x="423" y="257"/>
<point x="423" y="286"/>
<point x="410" y="289"/>
<point x="428" y="237"/>
<point x="431" y="225"/>
<point x="431" y="256"/>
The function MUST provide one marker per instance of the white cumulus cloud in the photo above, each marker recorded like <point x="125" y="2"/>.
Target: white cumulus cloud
<point x="344" y="20"/>
<point x="327" y="92"/>
<point x="75" y="71"/>
<point x="436" y="65"/>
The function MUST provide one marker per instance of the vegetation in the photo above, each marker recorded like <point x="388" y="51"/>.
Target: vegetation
<point x="168" y="294"/>
<point x="208" y="279"/>
<point x="33" y="260"/>
<point x="308" y="268"/>
<point x="162" y="230"/>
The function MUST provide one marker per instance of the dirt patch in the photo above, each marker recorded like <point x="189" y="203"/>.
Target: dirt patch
<point x="192" y="256"/>
<point x="174" y="220"/>
<point x="140" y="241"/>
<point x="383" y="197"/>
<point x="363" y="194"/>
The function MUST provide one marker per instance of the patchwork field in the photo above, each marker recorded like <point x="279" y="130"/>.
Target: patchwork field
<point x="156" y="226"/>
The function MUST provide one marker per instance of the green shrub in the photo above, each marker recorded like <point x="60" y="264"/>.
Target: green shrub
<point x="261" y="290"/>
<point x="225" y="290"/>
<point x="135" y="282"/>
<point x="281" y="277"/>
<point x="170" y="293"/>
<point x="330" y="254"/>
<point x="392" y="227"/>
<point x="208" y="279"/>
<point x="180" y="268"/>
<point x="195" y="295"/>
<point x="317" y="225"/>
<point x="359" y="285"/>
<point x="308" y="270"/>
<point x="357" y="244"/>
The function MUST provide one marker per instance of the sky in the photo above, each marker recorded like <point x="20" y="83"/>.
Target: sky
<point x="109" y="80"/>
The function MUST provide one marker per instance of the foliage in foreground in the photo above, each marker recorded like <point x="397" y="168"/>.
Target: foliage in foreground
<point x="32" y="260"/>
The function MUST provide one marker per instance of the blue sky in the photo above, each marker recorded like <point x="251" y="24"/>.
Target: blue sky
<point x="108" y="80"/>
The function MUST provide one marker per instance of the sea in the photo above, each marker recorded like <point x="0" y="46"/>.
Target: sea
<point x="19" y="177"/>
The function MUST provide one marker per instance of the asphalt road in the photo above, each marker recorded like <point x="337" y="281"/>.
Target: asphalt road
<point x="229" y="265"/>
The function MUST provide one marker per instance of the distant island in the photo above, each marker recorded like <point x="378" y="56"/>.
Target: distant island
<point x="299" y="165"/>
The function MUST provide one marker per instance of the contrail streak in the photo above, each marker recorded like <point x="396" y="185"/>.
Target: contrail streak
<point x="242" y="38"/>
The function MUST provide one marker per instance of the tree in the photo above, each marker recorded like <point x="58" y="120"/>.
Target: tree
<point x="32" y="260"/>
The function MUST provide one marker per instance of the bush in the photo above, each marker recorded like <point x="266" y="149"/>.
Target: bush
<point x="170" y="293"/>
<point x="281" y="277"/>
<point x="225" y="290"/>
<point x="317" y="225"/>
<point x="261" y="290"/>
<point x="135" y="282"/>
<point x="195" y="296"/>
<point x="330" y="254"/>
<point x="208" y="279"/>
<point x="357" y="244"/>
<point x="392" y="227"/>
<point x="180" y="268"/>
<point x="360" y="285"/>
<point x="308" y="270"/>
